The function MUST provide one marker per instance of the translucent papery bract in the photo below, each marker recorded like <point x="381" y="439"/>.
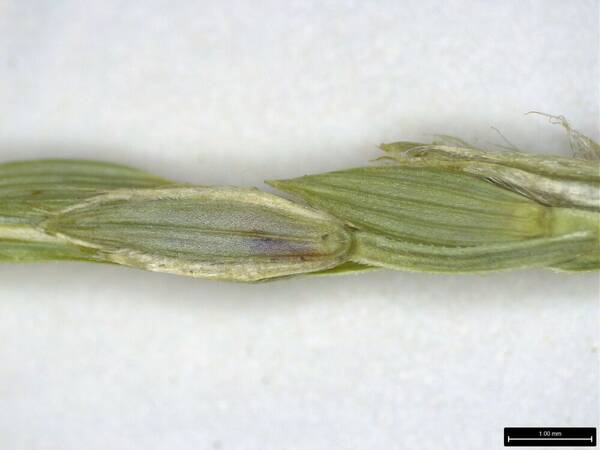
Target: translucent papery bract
<point x="224" y="233"/>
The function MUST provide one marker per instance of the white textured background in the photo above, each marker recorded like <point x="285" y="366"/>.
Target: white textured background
<point x="220" y="92"/>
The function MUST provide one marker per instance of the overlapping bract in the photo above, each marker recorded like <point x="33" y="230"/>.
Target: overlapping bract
<point x="444" y="207"/>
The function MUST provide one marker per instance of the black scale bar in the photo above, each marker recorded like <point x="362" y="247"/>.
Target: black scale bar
<point x="550" y="437"/>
